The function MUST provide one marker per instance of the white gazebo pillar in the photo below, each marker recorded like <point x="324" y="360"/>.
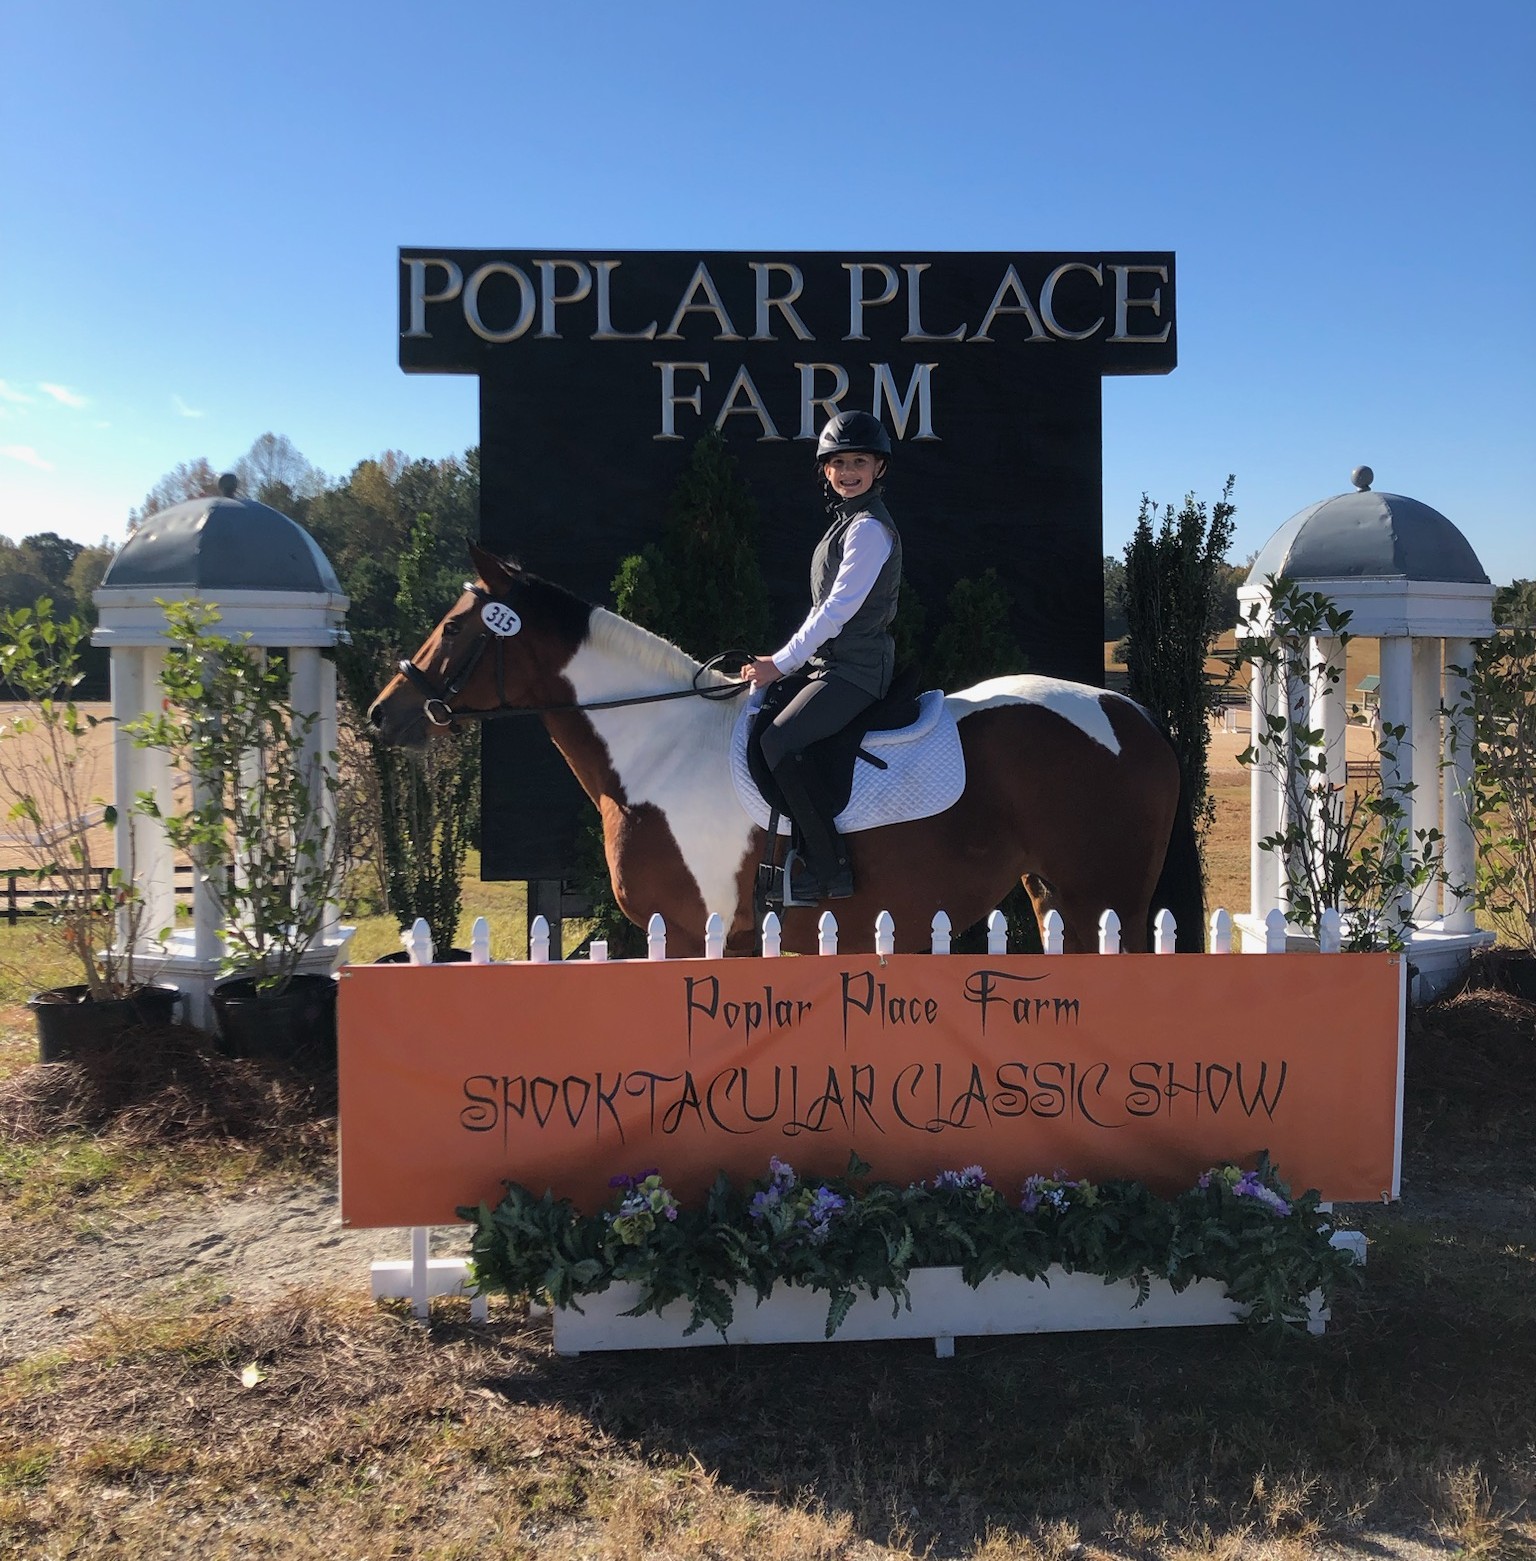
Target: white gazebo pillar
<point x="143" y="854"/>
<point x="1396" y="701"/>
<point x="1424" y="734"/>
<point x="1263" y="802"/>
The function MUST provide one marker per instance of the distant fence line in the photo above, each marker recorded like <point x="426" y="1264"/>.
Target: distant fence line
<point x="25" y="896"/>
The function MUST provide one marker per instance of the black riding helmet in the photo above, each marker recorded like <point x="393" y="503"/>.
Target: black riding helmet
<point x="852" y="433"/>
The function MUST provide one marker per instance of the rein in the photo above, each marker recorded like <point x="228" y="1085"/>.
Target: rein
<point x="440" y="697"/>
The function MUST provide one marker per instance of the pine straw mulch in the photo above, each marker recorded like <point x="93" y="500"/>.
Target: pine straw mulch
<point x="168" y="1084"/>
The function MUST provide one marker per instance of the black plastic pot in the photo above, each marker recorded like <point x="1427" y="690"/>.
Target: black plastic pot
<point x="296" y="1025"/>
<point x="70" y="1021"/>
<point x="441" y="957"/>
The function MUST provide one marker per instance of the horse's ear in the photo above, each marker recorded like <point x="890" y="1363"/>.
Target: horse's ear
<point x="492" y="570"/>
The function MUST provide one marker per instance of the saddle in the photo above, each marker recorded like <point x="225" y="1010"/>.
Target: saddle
<point x="834" y="757"/>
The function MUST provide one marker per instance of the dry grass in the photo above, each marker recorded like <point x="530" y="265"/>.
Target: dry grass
<point x="322" y="1426"/>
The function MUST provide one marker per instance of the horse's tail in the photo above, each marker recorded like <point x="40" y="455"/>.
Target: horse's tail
<point x="1181" y="884"/>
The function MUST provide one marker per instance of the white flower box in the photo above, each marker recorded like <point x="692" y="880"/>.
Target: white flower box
<point x="943" y="1309"/>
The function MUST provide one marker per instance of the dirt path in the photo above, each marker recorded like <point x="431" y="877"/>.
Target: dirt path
<point x="250" y="1249"/>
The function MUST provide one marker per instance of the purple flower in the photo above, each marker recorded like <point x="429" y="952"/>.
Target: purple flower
<point x="972" y="1176"/>
<point x="1250" y="1186"/>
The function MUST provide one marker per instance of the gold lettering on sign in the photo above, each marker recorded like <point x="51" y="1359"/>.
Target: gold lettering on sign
<point x="671" y="400"/>
<point x="605" y="330"/>
<point x="809" y="400"/>
<point x="1048" y="301"/>
<point x="1011" y="284"/>
<point x="857" y="302"/>
<point x="1124" y="303"/>
<point x="762" y="271"/>
<point x="713" y="304"/>
<point x="919" y="388"/>
<point x="742" y="385"/>
<point x="915" y="331"/>
<point x="550" y="295"/>
<point x="472" y="301"/>
<point x="420" y="297"/>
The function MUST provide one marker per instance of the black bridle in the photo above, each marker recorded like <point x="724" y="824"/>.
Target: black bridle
<point x="441" y="697"/>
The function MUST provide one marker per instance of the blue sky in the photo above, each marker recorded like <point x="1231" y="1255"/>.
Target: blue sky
<point x="200" y="208"/>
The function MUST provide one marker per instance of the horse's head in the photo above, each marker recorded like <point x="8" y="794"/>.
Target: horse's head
<point x="497" y="648"/>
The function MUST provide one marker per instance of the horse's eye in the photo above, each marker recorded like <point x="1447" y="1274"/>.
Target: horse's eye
<point x="450" y="629"/>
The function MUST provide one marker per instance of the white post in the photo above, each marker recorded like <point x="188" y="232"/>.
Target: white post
<point x="1274" y="932"/>
<point x="480" y="942"/>
<point x="656" y="937"/>
<point x="142" y="852"/>
<point x="1221" y="932"/>
<point x="1053" y="932"/>
<point x="714" y="936"/>
<point x="1164" y="932"/>
<point x="1426" y="738"/>
<point x="538" y="942"/>
<point x="997" y="933"/>
<point x="940" y="931"/>
<point x="418" y="942"/>
<point x="826" y="934"/>
<point x="1109" y="933"/>
<point x="1263" y="802"/>
<point x="773" y="935"/>
<point x="1328" y="713"/>
<point x="885" y="935"/>
<point x="1460" y="842"/>
<point x="420" y="1297"/>
<point x="330" y="741"/>
<point x="1330" y="931"/>
<point x="597" y="951"/>
<point x="1397" y="710"/>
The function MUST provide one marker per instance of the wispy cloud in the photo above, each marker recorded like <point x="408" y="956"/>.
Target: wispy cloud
<point x="64" y="395"/>
<point x="26" y="455"/>
<point x="9" y="392"/>
<point x="185" y="410"/>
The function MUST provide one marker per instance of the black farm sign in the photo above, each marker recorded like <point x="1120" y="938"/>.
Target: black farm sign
<point x="599" y="370"/>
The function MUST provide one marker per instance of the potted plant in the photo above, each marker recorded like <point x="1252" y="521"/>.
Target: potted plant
<point x="255" y="827"/>
<point x="426" y="802"/>
<point x="48" y="763"/>
<point x="957" y="1255"/>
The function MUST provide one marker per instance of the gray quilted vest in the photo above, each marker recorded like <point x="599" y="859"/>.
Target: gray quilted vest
<point x="862" y="652"/>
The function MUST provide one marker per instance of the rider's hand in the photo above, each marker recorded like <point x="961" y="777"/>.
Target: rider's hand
<point x="761" y="671"/>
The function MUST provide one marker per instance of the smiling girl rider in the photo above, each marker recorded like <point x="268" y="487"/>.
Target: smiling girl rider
<point x="844" y="644"/>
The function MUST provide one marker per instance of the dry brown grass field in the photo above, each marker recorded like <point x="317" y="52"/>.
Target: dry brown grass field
<point x="190" y="1366"/>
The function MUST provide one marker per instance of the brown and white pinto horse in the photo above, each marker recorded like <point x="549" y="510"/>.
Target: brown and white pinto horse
<point x="1071" y="789"/>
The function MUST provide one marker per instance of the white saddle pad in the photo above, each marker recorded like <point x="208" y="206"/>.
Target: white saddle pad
<point x="926" y="771"/>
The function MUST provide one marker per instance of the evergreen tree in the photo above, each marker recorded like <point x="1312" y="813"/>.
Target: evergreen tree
<point x="701" y="585"/>
<point x="1175" y="574"/>
<point x="977" y="639"/>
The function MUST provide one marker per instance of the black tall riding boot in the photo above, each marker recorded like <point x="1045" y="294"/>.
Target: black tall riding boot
<point x="814" y="816"/>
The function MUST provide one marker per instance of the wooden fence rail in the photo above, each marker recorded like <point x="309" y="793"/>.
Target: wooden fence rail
<point x="25" y="896"/>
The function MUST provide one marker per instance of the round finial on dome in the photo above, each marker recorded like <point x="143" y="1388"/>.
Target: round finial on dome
<point x="228" y="482"/>
<point x="1362" y="477"/>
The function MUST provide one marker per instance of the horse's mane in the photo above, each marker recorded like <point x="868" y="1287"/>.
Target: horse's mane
<point x="617" y="636"/>
<point x="610" y="634"/>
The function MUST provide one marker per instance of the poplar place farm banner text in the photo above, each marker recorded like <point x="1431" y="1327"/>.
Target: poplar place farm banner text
<point x="457" y="1078"/>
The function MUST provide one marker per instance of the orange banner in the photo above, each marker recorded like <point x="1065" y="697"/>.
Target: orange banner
<point x="455" y="1078"/>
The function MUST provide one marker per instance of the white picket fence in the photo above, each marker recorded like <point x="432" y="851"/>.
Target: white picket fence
<point x="422" y="1276"/>
<point x="418" y="941"/>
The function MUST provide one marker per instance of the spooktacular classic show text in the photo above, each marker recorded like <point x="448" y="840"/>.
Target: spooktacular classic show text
<point x="877" y="1078"/>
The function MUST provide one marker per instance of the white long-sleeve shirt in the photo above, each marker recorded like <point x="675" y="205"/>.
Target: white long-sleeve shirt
<point x="866" y="546"/>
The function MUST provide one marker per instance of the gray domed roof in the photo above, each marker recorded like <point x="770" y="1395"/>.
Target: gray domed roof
<point x="222" y="543"/>
<point x="1365" y="535"/>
